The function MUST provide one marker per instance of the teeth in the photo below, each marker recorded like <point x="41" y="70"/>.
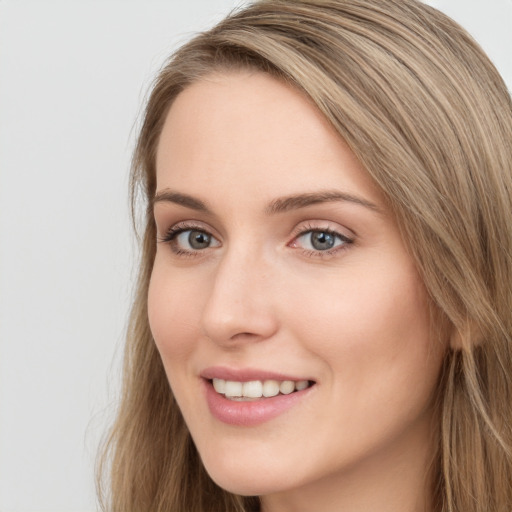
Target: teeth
<point x="257" y="388"/>
<point x="232" y="388"/>
<point x="302" y="384"/>
<point x="252" y="389"/>
<point x="219" y="385"/>
<point x="270" y="388"/>
<point x="287" y="386"/>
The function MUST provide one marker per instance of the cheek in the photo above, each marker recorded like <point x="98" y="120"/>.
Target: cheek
<point x="374" y="334"/>
<point x="172" y="313"/>
<point x="381" y="363"/>
<point x="365" y="308"/>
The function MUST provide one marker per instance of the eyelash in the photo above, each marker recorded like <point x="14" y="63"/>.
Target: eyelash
<point x="310" y="228"/>
<point x="173" y="232"/>
<point x="176" y="230"/>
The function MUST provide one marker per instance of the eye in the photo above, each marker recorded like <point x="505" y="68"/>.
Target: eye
<point x="320" y="240"/>
<point x="193" y="239"/>
<point x="188" y="240"/>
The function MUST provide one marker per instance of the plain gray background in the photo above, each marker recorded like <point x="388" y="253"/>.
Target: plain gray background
<point x="73" y="75"/>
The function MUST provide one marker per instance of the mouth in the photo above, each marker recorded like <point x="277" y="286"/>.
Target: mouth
<point x="247" y="397"/>
<point x="247" y="391"/>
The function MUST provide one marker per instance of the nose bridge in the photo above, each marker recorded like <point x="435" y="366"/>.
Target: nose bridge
<point x="239" y="304"/>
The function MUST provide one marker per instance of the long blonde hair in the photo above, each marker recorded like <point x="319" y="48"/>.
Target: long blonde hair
<point x="430" y="118"/>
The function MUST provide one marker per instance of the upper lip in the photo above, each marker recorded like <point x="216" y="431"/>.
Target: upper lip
<point x="246" y="374"/>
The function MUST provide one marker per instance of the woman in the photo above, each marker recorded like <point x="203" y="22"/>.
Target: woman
<point x="325" y="270"/>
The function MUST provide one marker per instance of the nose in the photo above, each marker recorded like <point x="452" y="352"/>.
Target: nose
<point x="239" y="308"/>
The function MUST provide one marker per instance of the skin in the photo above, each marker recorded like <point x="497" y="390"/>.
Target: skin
<point x="354" y="320"/>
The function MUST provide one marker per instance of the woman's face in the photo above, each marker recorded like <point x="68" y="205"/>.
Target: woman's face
<point x="279" y="266"/>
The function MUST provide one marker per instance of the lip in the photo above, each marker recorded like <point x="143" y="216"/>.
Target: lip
<point x="246" y="374"/>
<point x="251" y="413"/>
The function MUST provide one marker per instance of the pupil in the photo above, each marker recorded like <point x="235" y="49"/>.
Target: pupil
<point x="322" y="241"/>
<point x="198" y="240"/>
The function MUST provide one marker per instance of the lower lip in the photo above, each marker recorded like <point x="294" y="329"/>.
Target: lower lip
<point x="248" y="414"/>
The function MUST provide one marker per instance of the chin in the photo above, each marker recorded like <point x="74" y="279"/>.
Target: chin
<point x="247" y="480"/>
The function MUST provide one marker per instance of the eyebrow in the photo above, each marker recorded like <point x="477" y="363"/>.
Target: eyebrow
<point x="279" y="205"/>
<point x="167" y="195"/>
<point x="284" y="204"/>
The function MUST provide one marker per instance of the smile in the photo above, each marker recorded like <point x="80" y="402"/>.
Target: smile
<point x="257" y="389"/>
<point x="241" y="399"/>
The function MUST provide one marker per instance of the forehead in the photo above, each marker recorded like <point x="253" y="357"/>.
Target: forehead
<point x="251" y="130"/>
<point x="243" y="106"/>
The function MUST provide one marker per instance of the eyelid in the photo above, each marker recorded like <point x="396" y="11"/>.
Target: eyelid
<point x="171" y="228"/>
<point x="343" y="234"/>
<point x="175" y="230"/>
<point x="322" y="226"/>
